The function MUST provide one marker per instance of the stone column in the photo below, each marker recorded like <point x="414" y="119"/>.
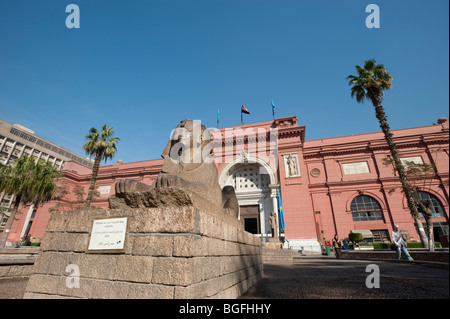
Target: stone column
<point x="274" y="195"/>
<point x="274" y="242"/>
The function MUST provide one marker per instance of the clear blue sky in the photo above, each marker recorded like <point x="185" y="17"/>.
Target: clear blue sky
<point x="141" y="66"/>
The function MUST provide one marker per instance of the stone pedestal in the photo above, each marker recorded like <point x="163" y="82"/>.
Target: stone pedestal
<point x="170" y="252"/>
<point x="274" y="243"/>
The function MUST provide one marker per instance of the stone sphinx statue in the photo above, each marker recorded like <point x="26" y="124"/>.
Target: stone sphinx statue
<point x="188" y="177"/>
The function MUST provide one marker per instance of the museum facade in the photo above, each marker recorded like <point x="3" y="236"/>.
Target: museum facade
<point x="317" y="188"/>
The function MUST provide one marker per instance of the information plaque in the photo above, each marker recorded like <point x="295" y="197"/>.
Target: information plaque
<point x="108" y="234"/>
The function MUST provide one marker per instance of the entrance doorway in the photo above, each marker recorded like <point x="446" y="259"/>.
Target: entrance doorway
<point x="250" y="216"/>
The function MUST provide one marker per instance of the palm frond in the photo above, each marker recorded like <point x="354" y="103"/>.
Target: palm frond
<point x="371" y="81"/>
<point x="370" y="64"/>
<point x="102" y="144"/>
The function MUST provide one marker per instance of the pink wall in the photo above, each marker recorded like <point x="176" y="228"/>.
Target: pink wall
<point x="314" y="207"/>
<point x="332" y="191"/>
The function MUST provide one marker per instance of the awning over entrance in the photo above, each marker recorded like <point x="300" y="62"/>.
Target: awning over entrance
<point x="367" y="234"/>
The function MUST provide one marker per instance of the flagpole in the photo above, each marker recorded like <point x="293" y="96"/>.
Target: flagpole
<point x="242" y="119"/>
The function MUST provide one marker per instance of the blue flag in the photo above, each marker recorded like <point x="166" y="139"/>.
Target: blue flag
<point x="218" y="113"/>
<point x="273" y="108"/>
<point x="280" y="210"/>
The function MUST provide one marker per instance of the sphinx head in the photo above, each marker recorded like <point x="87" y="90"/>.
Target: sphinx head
<point x="188" y="148"/>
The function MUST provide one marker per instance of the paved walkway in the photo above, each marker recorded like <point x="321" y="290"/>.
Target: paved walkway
<point x="325" y="278"/>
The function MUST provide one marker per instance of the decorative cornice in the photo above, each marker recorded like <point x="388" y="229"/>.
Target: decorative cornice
<point x="113" y="173"/>
<point x="370" y="146"/>
<point x="376" y="142"/>
<point x="285" y="122"/>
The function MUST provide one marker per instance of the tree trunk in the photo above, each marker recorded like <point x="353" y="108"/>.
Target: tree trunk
<point x="430" y="234"/>
<point x="422" y="232"/>
<point x="427" y="214"/>
<point x="379" y="112"/>
<point x="10" y="221"/>
<point x="95" y="170"/>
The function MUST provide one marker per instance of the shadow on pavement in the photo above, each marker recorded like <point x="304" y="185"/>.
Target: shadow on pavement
<point x="346" y="279"/>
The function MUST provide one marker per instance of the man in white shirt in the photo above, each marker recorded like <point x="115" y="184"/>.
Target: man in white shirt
<point x="400" y="244"/>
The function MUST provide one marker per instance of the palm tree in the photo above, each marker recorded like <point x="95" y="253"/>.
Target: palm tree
<point x="30" y="182"/>
<point x="370" y="83"/>
<point x="102" y="146"/>
<point x="420" y="177"/>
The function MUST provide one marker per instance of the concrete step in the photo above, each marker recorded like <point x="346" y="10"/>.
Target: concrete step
<point x="8" y="259"/>
<point x="278" y="254"/>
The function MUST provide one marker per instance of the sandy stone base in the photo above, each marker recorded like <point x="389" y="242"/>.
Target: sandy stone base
<point x="175" y="252"/>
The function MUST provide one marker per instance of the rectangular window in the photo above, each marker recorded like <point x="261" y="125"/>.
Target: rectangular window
<point x="355" y="168"/>
<point x="251" y="225"/>
<point x="367" y="216"/>
<point x="250" y="215"/>
<point x="104" y="190"/>
<point x="380" y="235"/>
<point x="414" y="159"/>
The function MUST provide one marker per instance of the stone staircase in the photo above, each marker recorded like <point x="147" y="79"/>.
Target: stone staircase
<point x="279" y="254"/>
<point x="18" y="256"/>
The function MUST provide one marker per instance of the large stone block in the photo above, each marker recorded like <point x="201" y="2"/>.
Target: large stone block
<point x="174" y="252"/>
<point x="159" y="245"/>
<point x="175" y="271"/>
<point x="163" y="220"/>
<point x="75" y="242"/>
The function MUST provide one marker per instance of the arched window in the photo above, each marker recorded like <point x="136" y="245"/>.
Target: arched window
<point x="248" y="178"/>
<point x="365" y="208"/>
<point x="436" y="206"/>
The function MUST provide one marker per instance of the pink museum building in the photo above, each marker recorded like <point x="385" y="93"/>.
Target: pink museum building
<point x="326" y="186"/>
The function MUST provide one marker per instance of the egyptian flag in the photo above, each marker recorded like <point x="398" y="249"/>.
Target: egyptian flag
<point x="244" y="110"/>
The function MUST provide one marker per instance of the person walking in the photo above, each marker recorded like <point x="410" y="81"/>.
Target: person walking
<point x="337" y="244"/>
<point x="400" y="244"/>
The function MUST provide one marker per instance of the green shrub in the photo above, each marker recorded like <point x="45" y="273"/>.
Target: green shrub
<point x="382" y="245"/>
<point x="414" y="245"/>
<point x="410" y="245"/>
<point x="355" y="237"/>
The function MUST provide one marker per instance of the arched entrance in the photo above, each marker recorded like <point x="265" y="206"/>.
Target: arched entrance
<point x="256" y="191"/>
